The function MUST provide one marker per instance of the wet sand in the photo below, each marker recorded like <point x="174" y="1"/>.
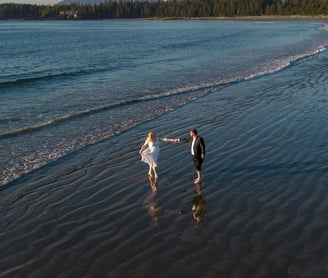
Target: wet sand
<point x="263" y="200"/>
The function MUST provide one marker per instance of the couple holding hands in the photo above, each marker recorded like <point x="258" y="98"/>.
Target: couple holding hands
<point x="149" y="151"/>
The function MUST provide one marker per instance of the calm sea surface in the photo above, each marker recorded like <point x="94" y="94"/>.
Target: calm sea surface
<point x="65" y="85"/>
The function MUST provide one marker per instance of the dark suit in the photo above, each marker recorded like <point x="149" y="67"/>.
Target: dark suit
<point x="198" y="150"/>
<point x="199" y="147"/>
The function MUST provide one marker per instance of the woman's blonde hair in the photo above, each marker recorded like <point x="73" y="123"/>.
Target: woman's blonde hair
<point x="151" y="136"/>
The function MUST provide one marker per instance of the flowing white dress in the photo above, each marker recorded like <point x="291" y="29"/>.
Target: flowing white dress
<point x="151" y="153"/>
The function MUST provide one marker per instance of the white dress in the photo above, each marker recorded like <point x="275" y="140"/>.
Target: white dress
<point x="150" y="154"/>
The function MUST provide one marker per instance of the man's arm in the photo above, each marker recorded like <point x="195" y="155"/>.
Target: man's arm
<point x="202" y="147"/>
<point x="184" y="140"/>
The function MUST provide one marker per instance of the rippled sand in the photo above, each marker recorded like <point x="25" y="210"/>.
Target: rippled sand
<point x="263" y="202"/>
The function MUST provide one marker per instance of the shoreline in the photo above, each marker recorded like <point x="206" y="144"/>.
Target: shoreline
<point x="232" y="18"/>
<point x="248" y="18"/>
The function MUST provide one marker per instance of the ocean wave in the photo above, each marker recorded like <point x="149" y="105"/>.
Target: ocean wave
<point x="19" y="80"/>
<point x="324" y="27"/>
<point x="62" y="119"/>
<point x="283" y="63"/>
<point x="178" y="91"/>
<point x="205" y="87"/>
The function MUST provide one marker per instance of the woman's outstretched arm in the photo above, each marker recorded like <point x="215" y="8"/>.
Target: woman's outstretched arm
<point x="173" y="140"/>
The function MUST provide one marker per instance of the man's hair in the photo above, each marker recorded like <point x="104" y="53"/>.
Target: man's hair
<point x="194" y="131"/>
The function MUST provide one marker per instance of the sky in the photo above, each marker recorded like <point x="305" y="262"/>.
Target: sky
<point x="38" y="2"/>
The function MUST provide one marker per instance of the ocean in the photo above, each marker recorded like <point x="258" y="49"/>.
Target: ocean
<point x="65" y="85"/>
<point x="77" y="101"/>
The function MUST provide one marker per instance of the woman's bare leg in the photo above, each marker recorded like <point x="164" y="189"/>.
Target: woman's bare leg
<point x="155" y="171"/>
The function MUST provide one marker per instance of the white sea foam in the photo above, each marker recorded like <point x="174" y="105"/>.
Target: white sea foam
<point x="324" y="27"/>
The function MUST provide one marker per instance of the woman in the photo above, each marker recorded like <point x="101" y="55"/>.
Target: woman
<point x="149" y="151"/>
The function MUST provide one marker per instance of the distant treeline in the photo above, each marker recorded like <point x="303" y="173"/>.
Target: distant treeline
<point x="166" y="9"/>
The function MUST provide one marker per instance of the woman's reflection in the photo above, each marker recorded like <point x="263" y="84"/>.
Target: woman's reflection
<point x="153" y="183"/>
<point x="151" y="200"/>
<point x="199" y="205"/>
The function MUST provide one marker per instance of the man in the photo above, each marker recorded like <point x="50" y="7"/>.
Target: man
<point x="197" y="149"/>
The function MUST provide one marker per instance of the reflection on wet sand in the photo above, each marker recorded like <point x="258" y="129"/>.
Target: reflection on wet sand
<point x="199" y="212"/>
<point x="199" y="205"/>
<point x="153" y="183"/>
<point x="151" y="200"/>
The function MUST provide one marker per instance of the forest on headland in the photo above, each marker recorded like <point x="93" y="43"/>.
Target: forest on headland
<point x="166" y="9"/>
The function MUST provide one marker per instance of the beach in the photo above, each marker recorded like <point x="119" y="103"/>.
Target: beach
<point x="94" y="213"/>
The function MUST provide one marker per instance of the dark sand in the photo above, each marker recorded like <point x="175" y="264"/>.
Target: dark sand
<point x="94" y="213"/>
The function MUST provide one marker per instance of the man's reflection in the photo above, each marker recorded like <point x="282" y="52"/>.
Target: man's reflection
<point x="199" y="205"/>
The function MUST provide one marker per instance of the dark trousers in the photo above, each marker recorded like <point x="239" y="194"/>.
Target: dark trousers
<point x="197" y="162"/>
